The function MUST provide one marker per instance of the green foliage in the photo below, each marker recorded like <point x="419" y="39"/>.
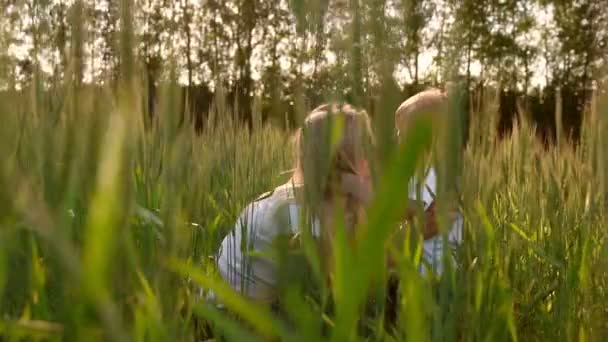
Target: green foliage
<point x="109" y="225"/>
<point x="109" y="230"/>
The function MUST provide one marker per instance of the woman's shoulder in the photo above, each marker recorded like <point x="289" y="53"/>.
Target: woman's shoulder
<point x="270" y="204"/>
<point x="279" y="194"/>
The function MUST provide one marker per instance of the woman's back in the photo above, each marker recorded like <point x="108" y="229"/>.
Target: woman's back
<point x="246" y="255"/>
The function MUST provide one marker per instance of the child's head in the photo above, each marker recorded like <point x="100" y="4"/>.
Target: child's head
<point x="335" y="139"/>
<point x="430" y="105"/>
<point x="447" y="130"/>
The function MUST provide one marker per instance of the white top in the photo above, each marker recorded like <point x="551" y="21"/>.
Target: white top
<point x="242" y="261"/>
<point x="243" y="264"/>
<point x="433" y="248"/>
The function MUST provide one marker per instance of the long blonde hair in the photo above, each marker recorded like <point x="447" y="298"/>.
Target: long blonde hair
<point x="334" y="139"/>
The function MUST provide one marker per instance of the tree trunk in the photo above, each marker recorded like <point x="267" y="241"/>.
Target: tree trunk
<point x="244" y="39"/>
<point x="416" y="57"/>
<point x="356" y="55"/>
<point x="77" y="38"/>
<point x="187" y="19"/>
<point x="439" y="58"/>
<point x="469" y="56"/>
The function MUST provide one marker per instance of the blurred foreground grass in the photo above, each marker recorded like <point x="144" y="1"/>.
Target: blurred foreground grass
<point x="107" y="231"/>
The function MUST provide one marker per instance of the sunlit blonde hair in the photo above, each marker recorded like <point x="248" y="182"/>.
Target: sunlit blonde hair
<point x="429" y="104"/>
<point x="334" y="139"/>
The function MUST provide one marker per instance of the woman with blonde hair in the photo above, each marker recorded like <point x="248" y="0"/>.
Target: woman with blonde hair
<point x="331" y="170"/>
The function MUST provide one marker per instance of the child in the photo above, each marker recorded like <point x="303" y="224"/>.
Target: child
<point x="430" y="104"/>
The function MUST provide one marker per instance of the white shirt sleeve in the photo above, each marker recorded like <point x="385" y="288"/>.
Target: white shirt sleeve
<point x="428" y="188"/>
<point x="245" y="259"/>
<point x="248" y="274"/>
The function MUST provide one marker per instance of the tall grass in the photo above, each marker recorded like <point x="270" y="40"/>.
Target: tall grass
<point x="94" y="205"/>
<point x="108" y="229"/>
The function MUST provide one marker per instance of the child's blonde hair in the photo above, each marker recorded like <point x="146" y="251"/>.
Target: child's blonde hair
<point x="429" y="104"/>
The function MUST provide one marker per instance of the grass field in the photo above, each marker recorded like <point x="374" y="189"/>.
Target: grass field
<point x="108" y="225"/>
<point x="107" y="230"/>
